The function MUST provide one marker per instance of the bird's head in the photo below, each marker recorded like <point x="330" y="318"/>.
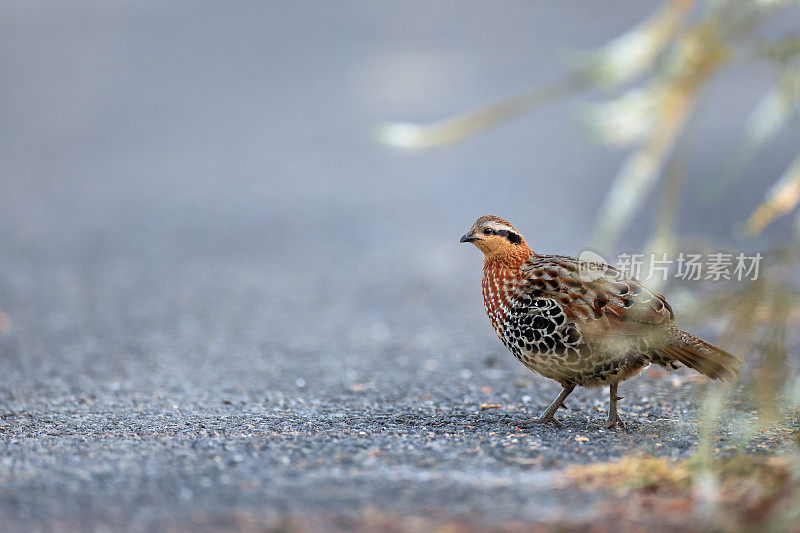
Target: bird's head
<point x="496" y="238"/>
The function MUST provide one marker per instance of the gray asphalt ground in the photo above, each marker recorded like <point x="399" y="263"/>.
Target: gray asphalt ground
<point x="224" y="306"/>
<point x="135" y="397"/>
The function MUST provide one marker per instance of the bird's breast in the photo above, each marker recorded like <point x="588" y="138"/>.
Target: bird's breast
<point x="499" y="285"/>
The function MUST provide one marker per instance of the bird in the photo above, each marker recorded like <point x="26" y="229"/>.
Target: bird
<point x="579" y="323"/>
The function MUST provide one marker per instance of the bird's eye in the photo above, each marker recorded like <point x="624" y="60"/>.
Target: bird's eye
<point x="488" y="231"/>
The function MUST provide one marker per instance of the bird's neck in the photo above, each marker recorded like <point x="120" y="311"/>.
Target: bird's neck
<point x="508" y="257"/>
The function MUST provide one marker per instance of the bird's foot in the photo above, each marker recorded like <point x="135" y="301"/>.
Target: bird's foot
<point x="549" y="419"/>
<point x="615" y="421"/>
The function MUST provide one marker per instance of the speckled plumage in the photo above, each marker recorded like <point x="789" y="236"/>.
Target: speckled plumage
<point x="581" y="326"/>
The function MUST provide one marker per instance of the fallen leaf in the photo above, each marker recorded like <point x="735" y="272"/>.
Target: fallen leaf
<point x="485" y="406"/>
<point x="581" y="439"/>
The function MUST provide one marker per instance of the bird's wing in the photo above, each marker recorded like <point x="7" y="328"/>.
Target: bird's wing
<point x="601" y="301"/>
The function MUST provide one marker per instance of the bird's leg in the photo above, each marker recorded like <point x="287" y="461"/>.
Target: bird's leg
<point x="613" y="416"/>
<point x="547" y="416"/>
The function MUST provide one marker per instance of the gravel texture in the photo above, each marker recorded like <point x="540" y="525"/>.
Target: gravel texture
<point x="149" y="400"/>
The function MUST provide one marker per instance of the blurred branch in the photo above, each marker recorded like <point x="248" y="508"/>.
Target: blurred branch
<point x="636" y="51"/>
<point x="683" y="57"/>
<point x="770" y="374"/>
<point x="664" y="239"/>
<point x="780" y="199"/>
<point x="769" y="117"/>
<point x="622" y="59"/>
<point x="699" y="54"/>
<point x="419" y="136"/>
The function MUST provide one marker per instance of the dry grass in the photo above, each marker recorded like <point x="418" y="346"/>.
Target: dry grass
<point x="735" y="493"/>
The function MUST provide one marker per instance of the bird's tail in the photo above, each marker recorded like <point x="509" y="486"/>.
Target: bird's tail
<point x="702" y="356"/>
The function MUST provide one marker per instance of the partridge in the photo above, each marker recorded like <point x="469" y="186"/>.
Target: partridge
<point x="581" y="324"/>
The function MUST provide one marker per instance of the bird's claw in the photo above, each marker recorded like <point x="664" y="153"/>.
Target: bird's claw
<point x="612" y="423"/>
<point x="547" y="420"/>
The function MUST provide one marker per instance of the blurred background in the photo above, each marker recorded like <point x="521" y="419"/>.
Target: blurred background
<point x="136" y="126"/>
<point x="147" y="143"/>
<point x="266" y="187"/>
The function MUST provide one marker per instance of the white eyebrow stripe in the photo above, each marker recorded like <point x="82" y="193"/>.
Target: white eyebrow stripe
<point x="499" y="227"/>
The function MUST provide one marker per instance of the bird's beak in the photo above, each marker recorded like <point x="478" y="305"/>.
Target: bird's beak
<point x="469" y="238"/>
